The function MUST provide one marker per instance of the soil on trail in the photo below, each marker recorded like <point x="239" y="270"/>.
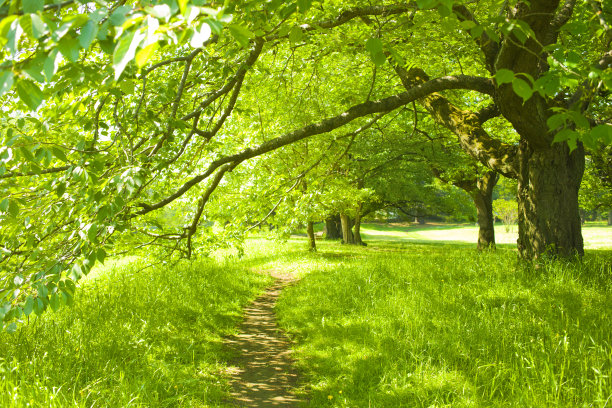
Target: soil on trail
<point x="263" y="374"/>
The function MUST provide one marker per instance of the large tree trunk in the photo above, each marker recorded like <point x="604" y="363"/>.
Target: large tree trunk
<point x="312" y="245"/>
<point x="333" y="227"/>
<point x="483" y="200"/>
<point x="609" y="217"/>
<point x="347" y="234"/>
<point x="548" y="183"/>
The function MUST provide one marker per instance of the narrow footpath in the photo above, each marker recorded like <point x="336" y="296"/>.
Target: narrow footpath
<point x="262" y="373"/>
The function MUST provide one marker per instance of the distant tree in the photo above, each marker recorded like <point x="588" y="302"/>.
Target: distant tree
<point x="506" y="211"/>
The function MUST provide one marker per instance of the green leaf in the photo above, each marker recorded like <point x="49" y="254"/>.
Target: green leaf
<point x="183" y="6"/>
<point x="522" y="88"/>
<point x="13" y="208"/>
<point x="556" y="120"/>
<point x="39" y="306"/>
<point x="69" y="47"/>
<point x="568" y="135"/>
<point x="42" y="291"/>
<point x="59" y="153"/>
<point x="50" y="65"/>
<point x="296" y="34"/>
<point x="375" y="48"/>
<point x="118" y="17"/>
<point x="4" y="204"/>
<point x="547" y="85"/>
<point x="54" y="302"/>
<point x="60" y="189"/>
<point x="125" y="50"/>
<point x="39" y="28"/>
<point x="504" y="76"/>
<point x="29" y="306"/>
<point x="92" y="233"/>
<point x="88" y="33"/>
<point x="143" y="55"/>
<point x="101" y="255"/>
<point x="25" y="152"/>
<point x="374" y="45"/>
<point x="603" y="133"/>
<point x="579" y="119"/>
<point x="29" y="93"/>
<point x="6" y="81"/>
<point x="32" y="6"/>
<point x="241" y="34"/>
<point x="304" y="5"/>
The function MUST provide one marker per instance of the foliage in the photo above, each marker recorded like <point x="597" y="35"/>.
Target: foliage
<point x="435" y="326"/>
<point x="123" y="123"/>
<point x="507" y="211"/>
<point x="137" y="336"/>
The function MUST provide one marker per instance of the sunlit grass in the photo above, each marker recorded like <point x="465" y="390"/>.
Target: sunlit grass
<point x="596" y="236"/>
<point x="433" y="325"/>
<point x="389" y="325"/>
<point x="134" y="337"/>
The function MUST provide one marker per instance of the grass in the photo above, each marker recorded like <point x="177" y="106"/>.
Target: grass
<point x="596" y="235"/>
<point x="394" y="324"/>
<point x="134" y="338"/>
<point x="404" y="325"/>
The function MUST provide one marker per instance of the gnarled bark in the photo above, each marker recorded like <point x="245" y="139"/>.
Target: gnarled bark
<point x="548" y="183"/>
<point x="483" y="200"/>
<point x="312" y="245"/>
<point x="347" y="233"/>
<point x="333" y="227"/>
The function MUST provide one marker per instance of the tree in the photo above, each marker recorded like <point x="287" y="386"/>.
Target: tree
<point x="114" y="113"/>
<point x="506" y="210"/>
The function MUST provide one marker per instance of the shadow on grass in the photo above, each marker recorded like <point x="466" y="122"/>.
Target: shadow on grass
<point x="147" y="339"/>
<point x="432" y="325"/>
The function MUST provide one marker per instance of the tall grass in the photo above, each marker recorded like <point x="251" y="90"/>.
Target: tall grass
<point x="440" y="326"/>
<point x="134" y="338"/>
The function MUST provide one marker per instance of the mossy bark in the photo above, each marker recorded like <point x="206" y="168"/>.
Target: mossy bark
<point x="548" y="183"/>
<point x="312" y="244"/>
<point x="483" y="200"/>
<point x="333" y="227"/>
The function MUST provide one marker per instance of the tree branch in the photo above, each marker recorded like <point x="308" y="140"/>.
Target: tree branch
<point x="466" y="125"/>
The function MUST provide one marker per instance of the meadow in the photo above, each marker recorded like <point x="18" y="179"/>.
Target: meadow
<point x="397" y="323"/>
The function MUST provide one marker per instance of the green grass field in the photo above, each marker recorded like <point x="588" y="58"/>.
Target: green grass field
<point x="596" y="235"/>
<point x="410" y="325"/>
<point x="397" y="323"/>
<point x="134" y="338"/>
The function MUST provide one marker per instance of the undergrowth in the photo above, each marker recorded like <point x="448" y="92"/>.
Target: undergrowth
<point x="444" y="326"/>
<point x="134" y="338"/>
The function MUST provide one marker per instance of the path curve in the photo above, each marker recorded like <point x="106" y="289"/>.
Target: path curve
<point x="262" y="373"/>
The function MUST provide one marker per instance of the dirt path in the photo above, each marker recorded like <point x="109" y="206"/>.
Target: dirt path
<point x="263" y="374"/>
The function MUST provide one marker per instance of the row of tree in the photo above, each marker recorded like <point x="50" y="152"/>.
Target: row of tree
<point x="132" y="125"/>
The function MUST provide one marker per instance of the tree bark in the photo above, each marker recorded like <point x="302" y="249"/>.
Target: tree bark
<point x="609" y="217"/>
<point x="357" y="230"/>
<point x="548" y="183"/>
<point x="347" y="234"/>
<point x="548" y="175"/>
<point x="333" y="227"/>
<point x="483" y="200"/>
<point x="312" y="245"/>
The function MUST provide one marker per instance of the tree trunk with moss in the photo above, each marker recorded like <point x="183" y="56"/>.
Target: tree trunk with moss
<point x="312" y="244"/>
<point x="483" y="200"/>
<point x="548" y="183"/>
<point x="333" y="227"/>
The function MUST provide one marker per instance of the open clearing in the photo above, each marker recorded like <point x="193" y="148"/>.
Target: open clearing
<point x="596" y="236"/>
